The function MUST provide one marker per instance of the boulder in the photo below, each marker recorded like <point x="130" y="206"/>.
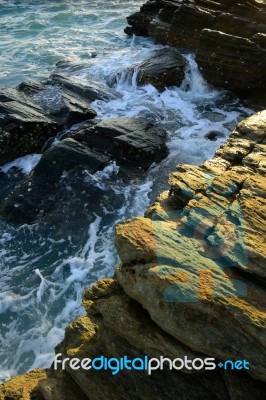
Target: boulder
<point x="166" y="67"/>
<point x="34" y="112"/>
<point x="227" y="36"/>
<point x="24" y="127"/>
<point x="134" y="141"/>
<point x="191" y="283"/>
<point x="130" y="142"/>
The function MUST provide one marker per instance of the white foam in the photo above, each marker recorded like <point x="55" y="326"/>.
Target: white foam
<point x="25" y="164"/>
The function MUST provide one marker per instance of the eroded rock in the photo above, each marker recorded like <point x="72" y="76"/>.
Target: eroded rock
<point x="200" y="256"/>
<point x="227" y="36"/>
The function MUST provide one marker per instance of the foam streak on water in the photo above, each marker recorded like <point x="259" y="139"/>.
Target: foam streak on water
<point x="43" y="276"/>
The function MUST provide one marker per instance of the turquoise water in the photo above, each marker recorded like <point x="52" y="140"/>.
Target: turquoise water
<point x="44" y="267"/>
<point x="34" y="35"/>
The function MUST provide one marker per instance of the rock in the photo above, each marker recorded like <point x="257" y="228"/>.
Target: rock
<point x="227" y="36"/>
<point x="24" y="127"/>
<point x="214" y="135"/>
<point x="197" y="261"/>
<point x="244" y="75"/>
<point x="89" y="91"/>
<point x="115" y="326"/>
<point x="23" y="387"/>
<point x="41" y="385"/>
<point x="135" y="141"/>
<point x="60" y="386"/>
<point x="130" y="142"/>
<point x="34" y="112"/>
<point x="166" y="67"/>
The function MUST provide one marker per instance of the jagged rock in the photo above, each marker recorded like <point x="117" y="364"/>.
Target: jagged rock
<point x="134" y="140"/>
<point x="89" y="90"/>
<point x="227" y="36"/>
<point x="166" y="67"/>
<point x="24" y="127"/>
<point x="191" y="282"/>
<point x="128" y="141"/>
<point x="34" y="112"/>
<point x="115" y="326"/>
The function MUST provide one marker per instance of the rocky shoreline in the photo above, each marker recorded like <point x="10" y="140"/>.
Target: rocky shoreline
<point x="228" y="37"/>
<point x="191" y="281"/>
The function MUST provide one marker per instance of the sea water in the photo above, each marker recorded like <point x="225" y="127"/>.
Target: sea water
<point x="43" y="275"/>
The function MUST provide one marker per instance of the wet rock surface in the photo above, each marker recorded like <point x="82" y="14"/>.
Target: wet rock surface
<point x="126" y="141"/>
<point x="227" y="36"/>
<point x="165" y="68"/>
<point x="34" y="112"/>
<point x="199" y="255"/>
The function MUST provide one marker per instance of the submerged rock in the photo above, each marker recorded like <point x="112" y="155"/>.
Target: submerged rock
<point x="227" y="36"/>
<point x="133" y="143"/>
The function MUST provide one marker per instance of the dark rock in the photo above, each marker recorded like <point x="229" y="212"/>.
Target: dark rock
<point x="227" y="36"/>
<point x="65" y="156"/>
<point x="165" y="68"/>
<point x="89" y="91"/>
<point x="214" y="135"/>
<point x="34" y="112"/>
<point x="24" y="127"/>
<point x="246" y="61"/>
<point x="133" y="143"/>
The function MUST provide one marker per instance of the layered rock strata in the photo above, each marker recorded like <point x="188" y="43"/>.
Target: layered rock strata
<point x="229" y="38"/>
<point x="191" y="282"/>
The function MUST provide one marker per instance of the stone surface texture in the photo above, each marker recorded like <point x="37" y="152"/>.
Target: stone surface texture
<point x="228" y="37"/>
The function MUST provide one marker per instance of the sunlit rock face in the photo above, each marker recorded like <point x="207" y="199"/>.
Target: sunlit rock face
<point x="197" y="260"/>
